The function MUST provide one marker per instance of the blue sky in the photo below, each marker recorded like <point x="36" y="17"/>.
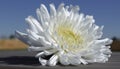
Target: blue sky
<point x="14" y="12"/>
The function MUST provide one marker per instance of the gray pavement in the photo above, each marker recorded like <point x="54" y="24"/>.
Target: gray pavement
<point x="26" y="60"/>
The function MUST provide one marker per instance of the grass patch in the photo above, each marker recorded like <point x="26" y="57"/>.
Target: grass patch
<point x="12" y="44"/>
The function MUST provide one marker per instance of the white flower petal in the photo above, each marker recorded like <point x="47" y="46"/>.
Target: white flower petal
<point x="41" y="19"/>
<point x="48" y="37"/>
<point x="89" y="19"/>
<point x="31" y="25"/>
<point x="39" y="38"/>
<point x="50" y="51"/>
<point x="22" y="36"/>
<point x="74" y="60"/>
<point x="44" y="12"/>
<point x="106" y="50"/>
<point x="32" y="41"/>
<point x="64" y="59"/>
<point x="60" y="7"/>
<point x="46" y="52"/>
<point x="75" y="9"/>
<point x="98" y="32"/>
<point x="52" y="10"/>
<point x="102" y="58"/>
<point x="39" y="54"/>
<point x="97" y="56"/>
<point x="105" y="41"/>
<point x="83" y="61"/>
<point x="78" y="23"/>
<point x="33" y="22"/>
<point x="33" y="48"/>
<point x="53" y="60"/>
<point x="27" y="39"/>
<point x="42" y="61"/>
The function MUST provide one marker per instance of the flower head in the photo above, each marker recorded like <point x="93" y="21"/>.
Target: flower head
<point x="69" y="36"/>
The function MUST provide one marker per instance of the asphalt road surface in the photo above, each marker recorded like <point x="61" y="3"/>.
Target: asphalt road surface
<point x="26" y="60"/>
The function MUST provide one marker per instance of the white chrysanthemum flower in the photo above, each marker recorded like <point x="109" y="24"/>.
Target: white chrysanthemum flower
<point x="66" y="35"/>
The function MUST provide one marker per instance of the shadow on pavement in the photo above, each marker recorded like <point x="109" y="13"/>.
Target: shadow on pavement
<point x="23" y="60"/>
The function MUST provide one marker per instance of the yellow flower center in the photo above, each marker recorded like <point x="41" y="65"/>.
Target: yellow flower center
<point x="69" y="38"/>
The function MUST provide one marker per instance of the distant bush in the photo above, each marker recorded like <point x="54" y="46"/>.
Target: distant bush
<point x="12" y="37"/>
